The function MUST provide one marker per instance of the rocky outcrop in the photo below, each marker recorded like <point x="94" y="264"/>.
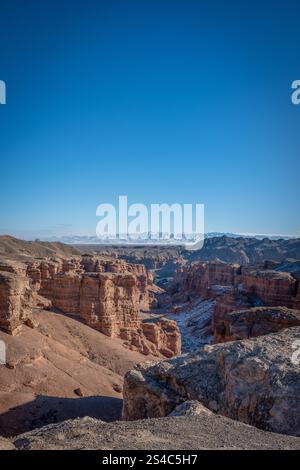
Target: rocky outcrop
<point x="61" y="369"/>
<point x="200" y="279"/>
<point x="15" y="301"/>
<point x="256" y="381"/>
<point x="229" y="302"/>
<point x="106" y="293"/>
<point x="154" y="338"/>
<point x="235" y="287"/>
<point x="164" y="335"/>
<point x="6" y="444"/>
<point x="272" y="287"/>
<point x="227" y="249"/>
<point x="246" y="250"/>
<point x="191" y="408"/>
<point x="110" y="301"/>
<point x="253" y="322"/>
<point x="63" y="290"/>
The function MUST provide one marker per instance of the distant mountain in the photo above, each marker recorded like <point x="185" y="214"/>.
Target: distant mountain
<point x="93" y="239"/>
<point x="259" y="236"/>
<point x="241" y="250"/>
<point x="229" y="249"/>
<point x="247" y="250"/>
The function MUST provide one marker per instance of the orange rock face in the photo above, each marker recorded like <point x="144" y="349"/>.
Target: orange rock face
<point x="106" y="293"/>
<point x="154" y="338"/>
<point x="200" y="278"/>
<point x="236" y="288"/>
<point x="110" y="301"/>
<point x="15" y="301"/>
<point x="165" y="335"/>
<point x="272" y="287"/>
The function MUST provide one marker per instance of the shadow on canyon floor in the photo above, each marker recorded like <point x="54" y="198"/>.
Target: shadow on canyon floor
<point x="45" y="410"/>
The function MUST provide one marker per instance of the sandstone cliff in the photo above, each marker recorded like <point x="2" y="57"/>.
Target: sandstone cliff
<point x="235" y="287"/>
<point x="253" y="322"/>
<point x="105" y="293"/>
<point x="272" y="287"/>
<point x="256" y="381"/>
<point x="15" y="301"/>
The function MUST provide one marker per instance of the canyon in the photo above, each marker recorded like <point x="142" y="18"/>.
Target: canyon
<point x="106" y="294"/>
<point x="93" y="330"/>
<point x="234" y="288"/>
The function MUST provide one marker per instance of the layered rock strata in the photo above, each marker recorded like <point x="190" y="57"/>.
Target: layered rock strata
<point x="236" y="287"/>
<point x="106" y="293"/>
<point x="253" y="322"/>
<point x="15" y="301"/>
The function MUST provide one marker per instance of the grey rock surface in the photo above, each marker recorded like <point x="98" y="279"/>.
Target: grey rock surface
<point x="255" y="381"/>
<point x="208" y="431"/>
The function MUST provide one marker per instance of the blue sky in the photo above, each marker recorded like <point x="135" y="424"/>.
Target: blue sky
<point x="164" y="101"/>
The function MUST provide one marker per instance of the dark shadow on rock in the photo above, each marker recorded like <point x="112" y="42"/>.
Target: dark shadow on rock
<point x="45" y="410"/>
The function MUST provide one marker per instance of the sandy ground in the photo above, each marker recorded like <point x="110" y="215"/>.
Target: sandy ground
<point x="60" y="370"/>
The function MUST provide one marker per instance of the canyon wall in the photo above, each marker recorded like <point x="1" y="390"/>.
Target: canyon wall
<point x="15" y="301"/>
<point x="256" y="321"/>
<point x="272" y="287"/>
<point x="235" y="288"/>
<point x="106" y="293"/>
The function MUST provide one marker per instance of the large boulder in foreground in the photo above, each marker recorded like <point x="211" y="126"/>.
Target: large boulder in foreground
<point x="252" y="322"/>
<point x="256" y="381"/>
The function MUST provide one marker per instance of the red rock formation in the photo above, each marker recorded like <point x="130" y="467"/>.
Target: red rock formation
<point x="199" y="278"/>
<point x="15" y="301"/>
<point x="165" y="335"/>
<point x="154" y="338"/>
<point x="253" y="322"/>
<point x="110" y="301"/>
<point x="296" y="301"/>
<point x="64" y="291"/>
<point x="227" y="303"/>
<point x="235" y="287"/>
<point x="106" y="293"/>
<point x="11" y="266"/>
<point x="272" y="287"/>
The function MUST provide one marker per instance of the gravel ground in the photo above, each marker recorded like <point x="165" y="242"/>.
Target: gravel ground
<point x="171" y="433"/>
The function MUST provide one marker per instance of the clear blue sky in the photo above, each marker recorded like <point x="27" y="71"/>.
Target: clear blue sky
<point x="165" y="101"/>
